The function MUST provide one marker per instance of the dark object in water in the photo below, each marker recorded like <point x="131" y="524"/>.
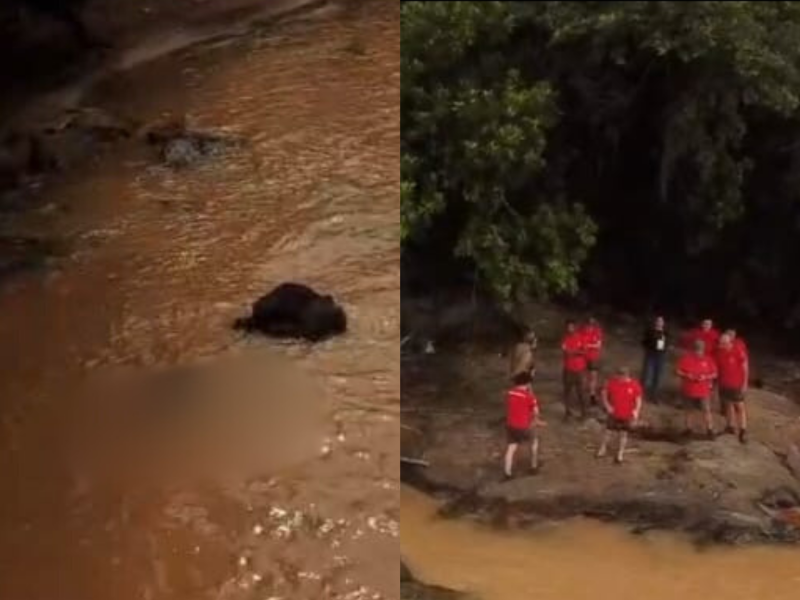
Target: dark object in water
<point x="294" y="310"/>
<point x="180" y="147"/>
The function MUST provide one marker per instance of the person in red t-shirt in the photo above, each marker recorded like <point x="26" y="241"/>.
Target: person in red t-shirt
<point x="622" y="398"/>
<point x="574" y="348"/>
<point x="732" y="363"/>
<point x="707" y="334"/>
<point x="593" y="339"/>
<point x="697" y="372"/>
<point x="522" y="419"/>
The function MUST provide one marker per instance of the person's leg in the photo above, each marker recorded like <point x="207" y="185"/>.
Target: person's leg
<point x="658" y="370"/>
<point x="689" y="415"/>
<point x="534" y="451"/>
<point x="601" y="451"/>
<point x="593" y="384"/>
<point x="741" y="420"/>
<point x="623" y="441"/>
<point x="729" y="413"/>
<point x="508" y="464"/>
<point x="567" y="393"/>
<point x="708" y="419"/>
<point x="580" y="392"/>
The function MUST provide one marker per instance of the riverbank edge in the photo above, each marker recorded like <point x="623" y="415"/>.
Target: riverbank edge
<point x="412" y="588"/>
<point x="702" y="525"/>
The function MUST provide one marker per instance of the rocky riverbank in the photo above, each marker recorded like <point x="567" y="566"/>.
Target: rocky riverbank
<point x="715" y="491"/>
<point x="412" y="589"/>
<point x="59" y="121"/>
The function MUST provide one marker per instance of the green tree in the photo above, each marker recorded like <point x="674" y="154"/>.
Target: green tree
<point x="474" y="135"/>
<point x="640" y="147"/>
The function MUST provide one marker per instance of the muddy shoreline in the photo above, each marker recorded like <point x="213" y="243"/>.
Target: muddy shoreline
<point x="412" y="588"/>
<point x="54" y="58"/>
<point x="716" y="492"/>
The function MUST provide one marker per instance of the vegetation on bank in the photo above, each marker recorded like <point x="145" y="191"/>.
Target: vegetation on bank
<point x="648" y="152"/>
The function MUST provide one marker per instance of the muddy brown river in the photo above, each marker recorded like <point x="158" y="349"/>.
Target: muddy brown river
<point x="201" y="498"/>
<point x="585" y="560"/>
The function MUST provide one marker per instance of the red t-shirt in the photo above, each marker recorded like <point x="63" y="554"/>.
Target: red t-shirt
<point x="520" y="406"/>
<point x="574" y="348"/>
<point x="738" y="344"/>
<point x="709" y="338"/>
<point x="593" y="339"/>
<point x="731" y="364"/>
<point x="622" y="396"/>
<point x="697" y="374"/>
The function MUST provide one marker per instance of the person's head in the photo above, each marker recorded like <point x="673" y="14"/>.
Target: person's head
<point x="623" y="373"/>
<point x="659" y="322"/>
<point x="699" y="347"/>
<point x="570" y="326"/>
<point x="706" y="324"/>
<point x="726" y="340"/>
<point x="592" y="322"/>
<point x="731" y="332"/>
<point x="529" y="337"/>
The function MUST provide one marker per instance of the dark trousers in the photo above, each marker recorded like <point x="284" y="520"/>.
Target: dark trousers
<point x="651" y="373"/>
<point x="573" y="392"/>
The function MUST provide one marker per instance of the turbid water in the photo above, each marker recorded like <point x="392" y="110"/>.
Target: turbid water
<point x="584" y="559"/>
<point x="157" y="265"/>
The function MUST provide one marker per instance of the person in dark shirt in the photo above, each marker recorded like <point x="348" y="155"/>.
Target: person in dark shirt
<point x="654" y="342"/>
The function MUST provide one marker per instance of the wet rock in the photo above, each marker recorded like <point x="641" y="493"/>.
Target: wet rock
<point x="293" y="310"/>
<point x="780" y="498"/>
<point x="19" y="254"/>
<point x="57" y="144"/>
<point x="411" y="589"/>
<point x="181" y="147"/>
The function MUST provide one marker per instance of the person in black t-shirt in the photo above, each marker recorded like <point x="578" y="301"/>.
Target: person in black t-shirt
<point x="654" y="342"/>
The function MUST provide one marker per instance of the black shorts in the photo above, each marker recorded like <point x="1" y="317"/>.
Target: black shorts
<point x="688" y="403"/>
<point x="730" y="395"/>
<point x="593" y="365"/>
<point x="615" y="424"/>
<point x="518" y="436"/>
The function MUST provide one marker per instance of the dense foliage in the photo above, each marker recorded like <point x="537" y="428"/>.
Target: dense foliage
<point x="646" y="151"/>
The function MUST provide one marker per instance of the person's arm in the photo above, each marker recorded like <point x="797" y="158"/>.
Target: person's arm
<point x="537" y="421"/>
<point x="604" y="398"/>
<point x="637" y="407"/>
<point x="746" y="367"/>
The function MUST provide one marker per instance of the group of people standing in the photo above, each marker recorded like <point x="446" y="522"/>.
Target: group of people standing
<point x="712" y="363"/>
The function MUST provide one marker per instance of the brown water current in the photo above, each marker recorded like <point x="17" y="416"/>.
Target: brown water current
<point x="276" y="476"/>
<point x="585" y="560"/>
